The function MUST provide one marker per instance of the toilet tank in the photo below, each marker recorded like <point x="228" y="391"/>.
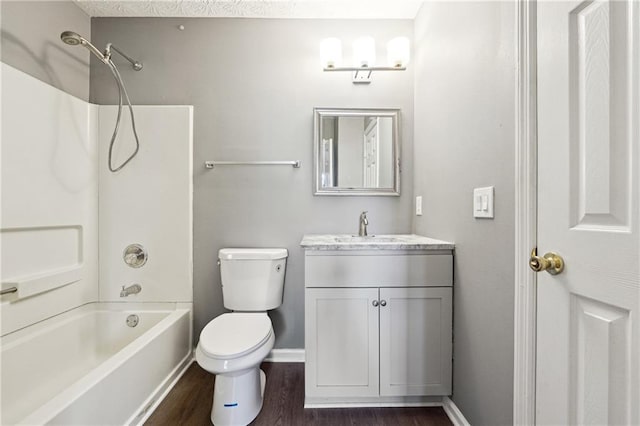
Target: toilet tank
<point x="252" y="278"/>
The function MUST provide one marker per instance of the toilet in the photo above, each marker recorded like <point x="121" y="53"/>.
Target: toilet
<point x="233" y="345"/>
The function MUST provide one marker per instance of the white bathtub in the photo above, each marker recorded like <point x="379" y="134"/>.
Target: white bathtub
<point x="88" y="367"/>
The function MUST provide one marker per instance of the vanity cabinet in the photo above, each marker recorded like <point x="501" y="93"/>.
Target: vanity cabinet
<point x="378" y="325"/>
<point x="356" y="347"/>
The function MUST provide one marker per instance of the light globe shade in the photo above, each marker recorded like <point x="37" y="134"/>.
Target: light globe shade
<point x="364" y="52"/>
<point x="331" y="52"/>
<point x="398" y="52"/>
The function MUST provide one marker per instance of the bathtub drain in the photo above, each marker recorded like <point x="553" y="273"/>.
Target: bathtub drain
<point x="132" y="320"/>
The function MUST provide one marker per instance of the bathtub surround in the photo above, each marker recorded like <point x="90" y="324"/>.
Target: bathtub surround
<point x="254" y="84"/>
<point x="49" y="238"/>
<point x="50" y="208"/>
<point x="49" y="217"/>
<point x="464" y="58"/>
<point x="50" y="244"/>
<point x="149" y="202"/>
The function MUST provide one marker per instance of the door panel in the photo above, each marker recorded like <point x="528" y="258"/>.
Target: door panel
<point x="341" y="341"/>
<point x="415" y="341"/>
<point x="599" y="95"/>
<point x="588" y="362"/>
<point x="600" y="377"/>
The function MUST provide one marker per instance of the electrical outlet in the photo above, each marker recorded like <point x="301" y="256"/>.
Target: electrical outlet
<point x="419" y="205"/>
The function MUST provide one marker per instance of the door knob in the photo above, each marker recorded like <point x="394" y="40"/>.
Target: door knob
<point x="375" y="303"/>
<point x="550" y="262"/>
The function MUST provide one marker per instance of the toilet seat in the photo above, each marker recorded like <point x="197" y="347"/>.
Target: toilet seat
<point x="235" y="334"/>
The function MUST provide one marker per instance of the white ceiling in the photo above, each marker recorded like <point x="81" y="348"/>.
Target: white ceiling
<point x="294" y="9"/>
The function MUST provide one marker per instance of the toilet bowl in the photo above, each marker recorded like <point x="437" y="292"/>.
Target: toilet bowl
<point x="233" y="345"/>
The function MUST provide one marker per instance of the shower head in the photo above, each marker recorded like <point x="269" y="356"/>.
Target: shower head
<point x="75" y="39"/>
<point x="71" y="38"/>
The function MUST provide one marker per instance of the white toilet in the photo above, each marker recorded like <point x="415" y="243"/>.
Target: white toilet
<point x="233" y="345"/>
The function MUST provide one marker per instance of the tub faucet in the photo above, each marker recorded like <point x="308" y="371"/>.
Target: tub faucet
<point x="362" y="232"/>
<point x="132" y="289"/>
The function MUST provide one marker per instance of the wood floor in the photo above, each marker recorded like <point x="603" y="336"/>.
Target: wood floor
<point x="189" y="403"/>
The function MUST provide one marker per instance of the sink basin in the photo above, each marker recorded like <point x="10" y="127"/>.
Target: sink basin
<point x="367" y="239"/>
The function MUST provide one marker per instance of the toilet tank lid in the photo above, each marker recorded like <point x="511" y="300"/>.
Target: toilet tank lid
<point x="252" y="253"/>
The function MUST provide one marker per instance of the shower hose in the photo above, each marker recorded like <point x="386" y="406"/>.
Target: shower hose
<point x="121" y="91"/>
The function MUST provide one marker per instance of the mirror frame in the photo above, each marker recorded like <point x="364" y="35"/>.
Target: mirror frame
<point x="319" y="113"/>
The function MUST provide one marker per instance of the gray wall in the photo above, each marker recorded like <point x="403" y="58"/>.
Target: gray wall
<point x="31" y="43"/>
<point x="254" y="83"/>
<point x="464" y="132"/>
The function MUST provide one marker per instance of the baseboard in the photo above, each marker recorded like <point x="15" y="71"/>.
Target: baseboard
<point x="285" y="355"/>
<point x="373" y="402"/>
<point x="453" y="412"/>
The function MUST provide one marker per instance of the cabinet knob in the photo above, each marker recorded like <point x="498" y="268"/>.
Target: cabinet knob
<point x="375" y="303"/>
<point x="383" y="303"/>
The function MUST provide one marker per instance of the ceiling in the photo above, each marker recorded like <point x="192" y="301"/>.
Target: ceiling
<point x="288" y="9"/>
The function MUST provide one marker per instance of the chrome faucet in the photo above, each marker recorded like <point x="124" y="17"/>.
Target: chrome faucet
<point x="132" y="289"/>
<point x="362" y="232"/>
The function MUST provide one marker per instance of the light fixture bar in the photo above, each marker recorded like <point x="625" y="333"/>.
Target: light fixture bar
<point x="362" y="75"/>
<point x="364" y="68"/>
<point x="364" y="57"/>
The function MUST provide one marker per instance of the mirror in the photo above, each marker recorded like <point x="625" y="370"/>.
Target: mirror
<point x="356" y="151"/>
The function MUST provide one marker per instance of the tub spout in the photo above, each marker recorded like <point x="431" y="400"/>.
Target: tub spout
<point x="132" y="289"/>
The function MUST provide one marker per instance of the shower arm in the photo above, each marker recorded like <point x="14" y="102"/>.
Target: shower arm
<point x="137" y="66"/>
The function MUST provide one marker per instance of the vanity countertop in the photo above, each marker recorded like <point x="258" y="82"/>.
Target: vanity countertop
<point x="377" y="242"/>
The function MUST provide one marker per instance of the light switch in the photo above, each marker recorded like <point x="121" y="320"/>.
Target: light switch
<point x="483" y="202"/>
<point x="419" y="205"/>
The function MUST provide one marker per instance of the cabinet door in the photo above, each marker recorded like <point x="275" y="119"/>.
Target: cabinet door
<point x="415" y="341"/>
<point x="341" y="342"/>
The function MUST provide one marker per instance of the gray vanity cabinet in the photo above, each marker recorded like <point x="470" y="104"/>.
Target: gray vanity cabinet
<point x="378" y="325"/>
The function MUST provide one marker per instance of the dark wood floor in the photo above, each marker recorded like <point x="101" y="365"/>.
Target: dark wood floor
<point x="189" y="403"/>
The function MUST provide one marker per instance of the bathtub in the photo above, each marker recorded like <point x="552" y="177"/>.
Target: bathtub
<point x="88" y="367"/>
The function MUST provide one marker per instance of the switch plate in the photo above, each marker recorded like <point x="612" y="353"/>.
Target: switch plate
<point x="419" y="205"/>
<point x="483" y="202"/>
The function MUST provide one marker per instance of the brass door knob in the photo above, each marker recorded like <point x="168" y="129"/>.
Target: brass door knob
<point x="550" y="262"/>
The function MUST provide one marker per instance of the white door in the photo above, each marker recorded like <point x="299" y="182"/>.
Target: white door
<point x="415" y="341"/>
<point x="370" y="155"/>
<point x="588" y="362"/>
<point x="327" y="161"/>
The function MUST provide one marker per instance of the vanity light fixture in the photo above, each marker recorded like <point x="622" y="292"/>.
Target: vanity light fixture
<point x="364" y="57"/>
